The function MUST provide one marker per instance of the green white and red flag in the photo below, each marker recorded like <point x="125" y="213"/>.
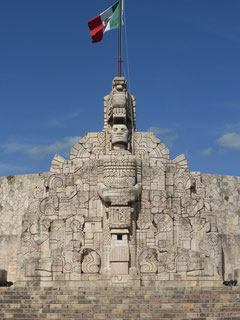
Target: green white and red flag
<point x="107" y="20"/>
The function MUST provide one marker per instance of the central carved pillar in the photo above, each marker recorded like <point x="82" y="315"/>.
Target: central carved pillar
<point x="119" y="179"/>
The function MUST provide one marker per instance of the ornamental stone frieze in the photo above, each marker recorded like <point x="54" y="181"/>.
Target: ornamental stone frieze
<point x="120" y="211"/>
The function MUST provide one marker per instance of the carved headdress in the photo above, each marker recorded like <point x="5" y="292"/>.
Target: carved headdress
<point x="120" y="107"/>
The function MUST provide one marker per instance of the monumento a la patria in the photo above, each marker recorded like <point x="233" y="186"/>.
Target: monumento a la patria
<point x="120" y="212"/>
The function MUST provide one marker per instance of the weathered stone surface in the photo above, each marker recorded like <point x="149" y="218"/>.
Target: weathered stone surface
<point x="117" y="303"/>
<point x="120" y="212"/>
<point x="15" y="193"/>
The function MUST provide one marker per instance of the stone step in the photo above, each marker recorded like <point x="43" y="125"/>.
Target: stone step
<point x="130" y="291"/>
<point x="119" y="303"/>
<point x="117" y="316"/>
<point x="60" y="297"/>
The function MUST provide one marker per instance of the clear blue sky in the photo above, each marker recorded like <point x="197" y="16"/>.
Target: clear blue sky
<point x="184" y="62"/>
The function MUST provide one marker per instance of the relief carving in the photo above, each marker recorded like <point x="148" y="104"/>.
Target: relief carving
<point x="118" y="207"/>
<point x="167" y="260"/>
<point x="148" y="261"/>
<point x="91" y="262"/>
<point x="164" y="222"/>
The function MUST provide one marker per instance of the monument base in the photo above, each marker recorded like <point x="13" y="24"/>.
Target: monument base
<point x="121" y="281"/>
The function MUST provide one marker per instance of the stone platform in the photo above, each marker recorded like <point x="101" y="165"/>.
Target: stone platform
<point x="120" y="282"/>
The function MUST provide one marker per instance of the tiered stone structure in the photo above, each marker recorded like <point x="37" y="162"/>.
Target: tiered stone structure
<point x="120" y="212"/>
<point x="128" y="303"/>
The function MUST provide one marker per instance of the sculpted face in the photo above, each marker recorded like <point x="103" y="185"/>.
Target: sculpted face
<point x="119" y="134"/>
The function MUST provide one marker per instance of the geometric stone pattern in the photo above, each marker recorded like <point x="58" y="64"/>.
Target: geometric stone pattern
<point x="120" y="211"/>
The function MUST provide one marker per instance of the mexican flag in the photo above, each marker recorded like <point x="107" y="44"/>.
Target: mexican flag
<point x="107" y="20"/>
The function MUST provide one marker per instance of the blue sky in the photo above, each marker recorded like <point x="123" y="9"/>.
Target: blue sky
<point x="184" y="62"/>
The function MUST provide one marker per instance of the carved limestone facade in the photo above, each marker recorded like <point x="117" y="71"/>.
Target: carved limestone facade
<point x="120" y="212"/>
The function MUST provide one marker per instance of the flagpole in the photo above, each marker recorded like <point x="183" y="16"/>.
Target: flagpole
<point x="120" y="40"/>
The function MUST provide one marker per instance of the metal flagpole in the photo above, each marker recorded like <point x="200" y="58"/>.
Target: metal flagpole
<point x="120" y="40"/>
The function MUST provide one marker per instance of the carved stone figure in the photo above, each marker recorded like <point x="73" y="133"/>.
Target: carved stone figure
<point x="119" y="210"/>
<point x="118" y="171"/>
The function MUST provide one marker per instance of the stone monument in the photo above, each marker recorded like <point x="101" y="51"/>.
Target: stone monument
<point x="120" y="212"/>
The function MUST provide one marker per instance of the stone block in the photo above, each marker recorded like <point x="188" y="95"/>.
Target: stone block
<point x="119" y="268"/>
<point x="3" y="275"/>
<point x="236" y="275"/>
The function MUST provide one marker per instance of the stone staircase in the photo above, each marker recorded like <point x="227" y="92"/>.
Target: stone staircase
<point x="119" y="303"/>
